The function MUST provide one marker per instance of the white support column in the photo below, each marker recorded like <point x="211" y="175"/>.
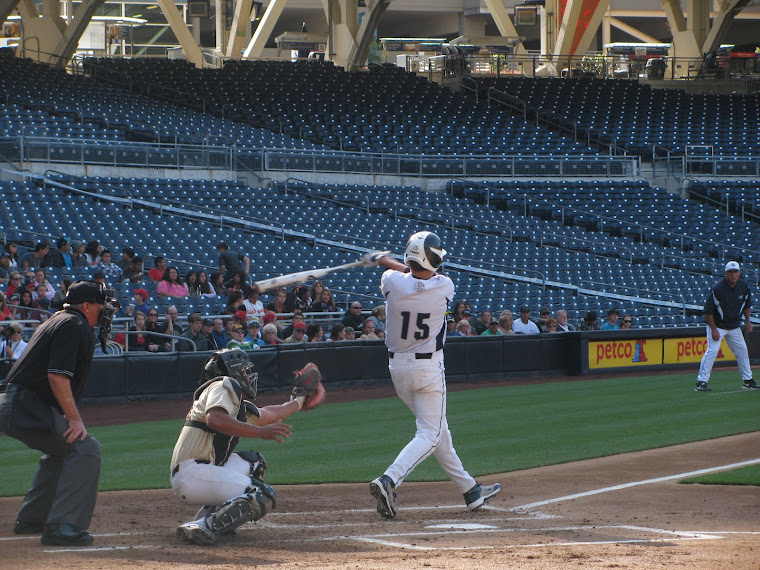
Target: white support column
<point x="260" y="37"/>
<point x="630" y="30"/>
<point x="240" y="23"/>
<point x="567" y="44"/>
<point x="191" y="48"/>
<point x="504" y="22"/>
<point x="699" y="19"/>
<point x="721" y="23"/>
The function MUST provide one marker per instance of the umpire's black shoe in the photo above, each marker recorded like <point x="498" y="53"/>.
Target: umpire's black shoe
<point x="64" y="534"/>
<point x="22" y="527"/>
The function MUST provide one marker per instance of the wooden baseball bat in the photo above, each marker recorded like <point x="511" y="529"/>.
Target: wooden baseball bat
<point x="302" y="276"/>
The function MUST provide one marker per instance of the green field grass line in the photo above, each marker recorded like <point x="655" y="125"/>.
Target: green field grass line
<point x="743" y="476"/>
<point x="496" y="429"/>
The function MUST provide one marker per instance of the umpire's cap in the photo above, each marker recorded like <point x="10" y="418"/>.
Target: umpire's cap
<point x="85" y="292"/>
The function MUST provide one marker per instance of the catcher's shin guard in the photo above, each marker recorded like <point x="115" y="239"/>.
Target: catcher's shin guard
<point x="232" y="514"/>
<point x="263" y="495"/>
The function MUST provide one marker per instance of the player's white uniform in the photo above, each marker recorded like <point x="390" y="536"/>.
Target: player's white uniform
<point x="415" y="331"/>
<point x="196" y="477"/>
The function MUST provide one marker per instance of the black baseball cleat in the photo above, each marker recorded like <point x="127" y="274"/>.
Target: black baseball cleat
<point x="702" y="387"/>
<point x="479" y="494"/>
<point x="382" y="489"/>
<point x="64" y="534"/>
<point x="750" y="385"/>
<point x="22" y="527"/>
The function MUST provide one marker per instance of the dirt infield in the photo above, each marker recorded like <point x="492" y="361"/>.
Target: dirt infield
<point x="624" y="511"/>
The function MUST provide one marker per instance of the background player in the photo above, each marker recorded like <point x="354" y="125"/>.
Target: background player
<point x="728" y="299"/>
<point x="417" y="298"/>
<point x="204" y="469"/>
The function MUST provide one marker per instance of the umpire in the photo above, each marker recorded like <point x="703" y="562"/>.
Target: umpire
<point x="38" y="406"/>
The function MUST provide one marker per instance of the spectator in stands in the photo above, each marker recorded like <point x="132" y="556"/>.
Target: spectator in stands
<point x="11" y="249"/>
<point x="136" y="342"/>
<point x="271" y="318"/>
<point x="30" y="285"/>
<point x="99" y="277"/>
<point x="543" y="314"/>
<point x="368" y="331"/>
<point x="299" y="333"/>
<point x="458" y="311"/>
<point x="377" y="316"/>
<point x="171" y="324"/>
<point x="349" y="333"/>
<point x="140" y="297"/>
<point x="134" y="273"/>
<point x="269" y="335"/>
<point x="231" y="262"/>
<point x="217" y="284"/>
<point x="589" y="323"/>
<point x="14" y="283"/>
<point x="220" y="333"/>
<point x="206" y="288"/>
<point x="253" y="332"/>
<point x="193" y="333"/>
<point x="57" y="303"/>
<point x="278" y="303"/>
<point x="157" y="273"/>
<point x="236" y="283"/>
<point x="127" y="259"/>
<point x="36" y="258"/>
<point x="92" y="252"/>
<point x="612" y="320"/>
<point x="451" y="326"/>
<point x="550" y="325"/>
<point x="315" y="292"/>
<point x="13" y="343"/>
<point x="155" y="343"/>
<point x="253" y="305"/>
<point x="297" y="318"/>
<point x="42" y="303"/>
<point x="338" y="332"/>
<point x="61" y="255"/>
<point x="524" y="325"/>
<point x="314" y="333"/>
<point x="191" y="282"/>
<point x="464" y="327"/>
<point x="483" y="321"/>
<point x="78" y="260"/>
<point x="171" y="284"/>
<point x="492" y="329"/>
<point x="325" y="303"/>
<point x="5" y="268"/>
<point x="13" y="302"/>
<point x="626" y="322"/>
<point x="297" y="300"/>
<point x="236" y="300"/>
<point x="207" y="327"/>
<point x="112" y="271"/>
<point x="238" y="339"/>
<point x="5" y="310"/>
<point x="506" y="321"/>
<point x="562" y="324"/>
<point x="353" y="316"/>
<point x="40" y="279"/>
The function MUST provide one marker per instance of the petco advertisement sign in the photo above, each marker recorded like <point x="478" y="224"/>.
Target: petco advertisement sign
<point x="685" y="350"/>
<point x="623" y="353"/>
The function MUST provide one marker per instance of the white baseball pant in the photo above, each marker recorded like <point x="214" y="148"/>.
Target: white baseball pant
<point x="421" y="385"/>
<point x="209" y="484"/>
<point x="735" y="341"/>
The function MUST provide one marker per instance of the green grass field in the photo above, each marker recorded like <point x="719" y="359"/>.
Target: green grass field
<point x="497" y="429"/>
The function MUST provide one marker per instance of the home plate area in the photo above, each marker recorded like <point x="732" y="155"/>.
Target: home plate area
<point x="453" y="528"/>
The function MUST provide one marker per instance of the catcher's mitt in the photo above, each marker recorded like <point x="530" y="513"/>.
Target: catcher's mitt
<point x="308" y="389"/>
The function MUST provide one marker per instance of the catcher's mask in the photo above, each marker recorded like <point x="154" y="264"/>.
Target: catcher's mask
<point x="233" y="362"/>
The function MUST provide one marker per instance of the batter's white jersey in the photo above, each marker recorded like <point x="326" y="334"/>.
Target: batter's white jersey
<point x="415" y="311"/>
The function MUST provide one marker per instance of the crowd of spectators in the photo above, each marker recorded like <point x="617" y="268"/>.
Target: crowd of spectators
<point x="237" y="315"/>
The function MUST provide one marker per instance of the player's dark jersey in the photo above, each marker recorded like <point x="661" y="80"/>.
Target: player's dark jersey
<point x="726" y="303"/>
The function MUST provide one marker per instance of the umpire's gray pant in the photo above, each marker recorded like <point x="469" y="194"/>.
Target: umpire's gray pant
<point x="65" y="486"/>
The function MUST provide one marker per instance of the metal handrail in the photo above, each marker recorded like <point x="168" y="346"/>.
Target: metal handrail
<point x="620" y="286"/>
<point x="173" y="338"/>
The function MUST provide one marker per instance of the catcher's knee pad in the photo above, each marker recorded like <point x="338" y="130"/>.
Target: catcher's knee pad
<point x="263" y="495"/>
<point x="257" y="461"/>
<point x="235" y="512"/>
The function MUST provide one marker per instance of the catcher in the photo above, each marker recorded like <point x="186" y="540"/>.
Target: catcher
<point x="204" y="469"/>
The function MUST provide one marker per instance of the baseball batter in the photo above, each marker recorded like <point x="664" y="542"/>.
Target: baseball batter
<point x="204" y="469"/>
<point x="417" y="297"/>
<point x="728" y="300"/>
